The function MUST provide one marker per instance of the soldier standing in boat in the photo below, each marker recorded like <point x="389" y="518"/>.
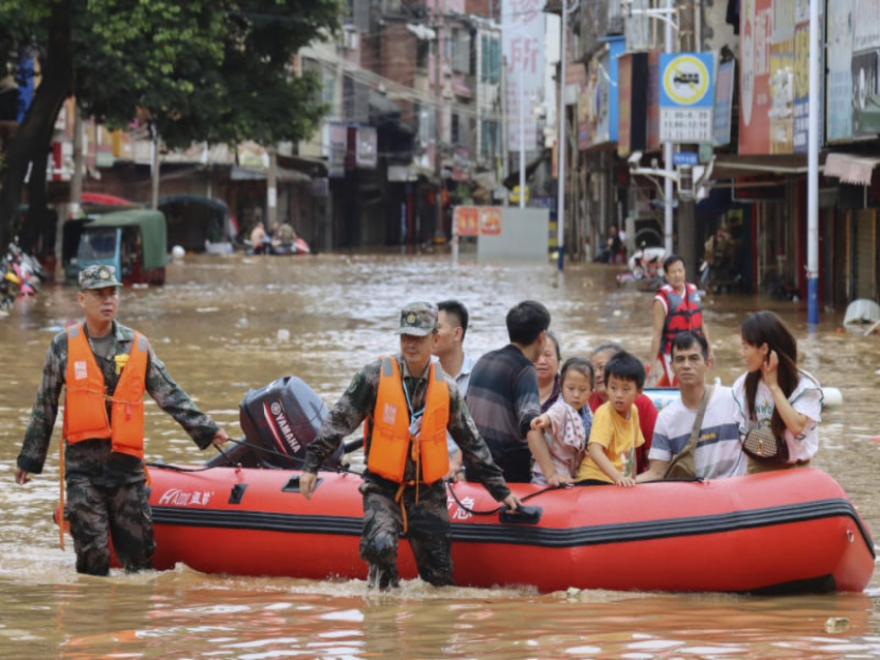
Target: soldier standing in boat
<point x="407" y="404"/>
<point x="105" y="368"/>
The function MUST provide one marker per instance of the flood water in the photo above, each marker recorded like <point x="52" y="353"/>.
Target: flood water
<point x="226" y="324"/>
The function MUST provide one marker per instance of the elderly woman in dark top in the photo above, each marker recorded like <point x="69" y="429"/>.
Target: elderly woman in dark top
<point x="547" y="366"/>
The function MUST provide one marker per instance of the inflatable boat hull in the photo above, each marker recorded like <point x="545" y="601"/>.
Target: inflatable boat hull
<point x="791" y="531"/>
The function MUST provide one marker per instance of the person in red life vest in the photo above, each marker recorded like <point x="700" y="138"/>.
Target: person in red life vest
<point x="105" y="369"/>
<point x="676" y="309"/>
<point x="408" y="404"/>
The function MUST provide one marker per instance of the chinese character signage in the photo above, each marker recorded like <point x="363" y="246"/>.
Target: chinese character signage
<point x="632" y="125"/>
<point x="723" y="103"/>
<point x="687" y="96"/>
<point x="477" y="220"/>
<point x="490" y="220"/>
<point x="523" y="24"/>
<point x="467" y="220"/>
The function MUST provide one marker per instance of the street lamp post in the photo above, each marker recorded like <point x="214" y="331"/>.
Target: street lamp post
<point x="667" y="15"/>
<point x="560" y="152"/>
<point x="813" y="171"/>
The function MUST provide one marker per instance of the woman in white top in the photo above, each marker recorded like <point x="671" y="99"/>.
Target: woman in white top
<point x="774" y="393"/>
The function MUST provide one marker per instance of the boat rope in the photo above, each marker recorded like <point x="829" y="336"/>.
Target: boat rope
<point x="339" y="469"/>
<point x="177" y="468"/>
<point x="500" y="507"/>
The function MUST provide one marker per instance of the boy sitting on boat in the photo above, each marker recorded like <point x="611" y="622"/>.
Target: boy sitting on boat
<point x="615" y="434"/>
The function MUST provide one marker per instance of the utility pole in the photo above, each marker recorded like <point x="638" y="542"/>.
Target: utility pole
<point x="813" y="171"/>
<point x="76" y="181"/>
<point x="687" y="226"/>
<point x="505" y="141"/>
<point x="522" y="139"/>
<point x="563" y="137"/>
<point x="438" y="93"/>
<point x="667" y="154"/>
<point x="272" y="189"/>
<point x="156" y="164"/>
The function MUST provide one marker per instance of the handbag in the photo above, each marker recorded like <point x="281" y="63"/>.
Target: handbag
<point x="682" y="464"/>
<point x="762" y="445"/>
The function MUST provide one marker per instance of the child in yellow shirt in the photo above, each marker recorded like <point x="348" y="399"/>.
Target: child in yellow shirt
<point x="616" y="434"/>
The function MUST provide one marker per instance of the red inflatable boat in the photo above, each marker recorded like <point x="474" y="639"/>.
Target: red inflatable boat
<point x="780" y="532"/>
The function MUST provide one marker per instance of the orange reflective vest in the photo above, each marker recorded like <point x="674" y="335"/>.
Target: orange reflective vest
<point x="391" y="438"/>
<point x="85" y="409"/>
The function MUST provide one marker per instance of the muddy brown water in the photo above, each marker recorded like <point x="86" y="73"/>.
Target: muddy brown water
<point x="224" y="325"/>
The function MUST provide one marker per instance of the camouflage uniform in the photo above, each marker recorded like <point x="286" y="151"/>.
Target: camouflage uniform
<point x="106" y="490"/>
<point x="428" y="523"/>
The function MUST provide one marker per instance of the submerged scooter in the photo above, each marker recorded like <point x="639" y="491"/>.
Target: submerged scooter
<point x="21" y="275"/>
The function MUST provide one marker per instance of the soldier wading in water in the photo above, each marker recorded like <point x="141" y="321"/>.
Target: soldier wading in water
<point x="105" y="368"/>
<point x="408" y="404"/>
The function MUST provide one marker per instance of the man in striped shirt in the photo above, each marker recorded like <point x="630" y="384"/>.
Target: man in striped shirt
<point x="503" y="397"/>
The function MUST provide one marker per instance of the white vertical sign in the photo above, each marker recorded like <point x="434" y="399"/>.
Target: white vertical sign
<point x="523" y="27"/>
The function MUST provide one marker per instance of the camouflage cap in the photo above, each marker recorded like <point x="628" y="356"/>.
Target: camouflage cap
<point x="97" y="277"/>
<point x="418" y="319"/>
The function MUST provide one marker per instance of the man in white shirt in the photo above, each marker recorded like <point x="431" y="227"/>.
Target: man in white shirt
<point x="718" y="453"/>
<point x="452" y="323"/>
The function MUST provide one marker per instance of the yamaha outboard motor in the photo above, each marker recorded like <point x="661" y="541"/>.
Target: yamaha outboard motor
<point x="283" y="417"/>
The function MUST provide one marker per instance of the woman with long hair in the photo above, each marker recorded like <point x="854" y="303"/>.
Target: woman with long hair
<point x="775" y="396"/>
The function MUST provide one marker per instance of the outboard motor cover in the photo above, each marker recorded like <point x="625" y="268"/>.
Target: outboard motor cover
<point x="284" y="417"/>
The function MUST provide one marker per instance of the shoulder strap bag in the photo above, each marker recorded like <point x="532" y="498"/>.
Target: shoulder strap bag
<point x="682" y="464"/>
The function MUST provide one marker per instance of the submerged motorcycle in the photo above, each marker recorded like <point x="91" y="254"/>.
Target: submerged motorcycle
<point x="21" y="276"/>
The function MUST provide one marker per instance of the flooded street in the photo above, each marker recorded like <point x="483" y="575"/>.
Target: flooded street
<point x="224" y="325"/>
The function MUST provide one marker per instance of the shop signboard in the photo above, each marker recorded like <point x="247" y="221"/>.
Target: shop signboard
<point x="802" y="52"/>
<point x="723" y="103"/>
<point x="756" y="25"/>
<point x="632" y="93"/>
<point x="467" y="220"/>
<point x="490" y="220"/>
<point x="853" y="67"/>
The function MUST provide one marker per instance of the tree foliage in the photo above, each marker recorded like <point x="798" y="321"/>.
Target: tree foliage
<point x="214" y="70"/>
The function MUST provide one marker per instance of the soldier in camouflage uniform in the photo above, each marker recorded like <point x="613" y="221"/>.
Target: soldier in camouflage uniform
<point x="106" y="489"/>
<point x="409" y="506"/>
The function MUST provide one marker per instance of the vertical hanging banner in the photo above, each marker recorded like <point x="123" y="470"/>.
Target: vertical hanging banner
<point x="523" y="26"/>
<point x="687" y="97"/>
<point x="723" y="103"/>
<point x="756" y="28"/>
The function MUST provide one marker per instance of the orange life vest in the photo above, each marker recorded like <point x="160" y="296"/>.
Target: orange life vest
<point x="85" y="409"/>
<point x="391" y="438"/>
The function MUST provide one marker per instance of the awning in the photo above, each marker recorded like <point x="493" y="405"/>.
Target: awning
<point x="284" y="175"/>
<point x="382" y="107"/>
<point x="731" y="166"/>
<point x="850" y="168"/>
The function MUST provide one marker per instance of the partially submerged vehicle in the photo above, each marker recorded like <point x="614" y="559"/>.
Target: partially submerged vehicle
<point x="198" y="224"/>
<point x="134" y="241"/>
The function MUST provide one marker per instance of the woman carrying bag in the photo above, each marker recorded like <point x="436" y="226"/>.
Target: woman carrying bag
<point x="779" y="405"/>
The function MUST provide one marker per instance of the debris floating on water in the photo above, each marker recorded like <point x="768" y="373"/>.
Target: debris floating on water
<point x="837" y="624"/>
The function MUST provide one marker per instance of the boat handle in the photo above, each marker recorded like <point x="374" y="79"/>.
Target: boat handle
<point x="524" y="515"/>
<point x="237" y="493"/>
<point x="292" y="486"/>
<point x="850" y="536"/>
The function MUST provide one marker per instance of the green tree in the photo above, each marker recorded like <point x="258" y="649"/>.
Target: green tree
<point x="213" y="70"/>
